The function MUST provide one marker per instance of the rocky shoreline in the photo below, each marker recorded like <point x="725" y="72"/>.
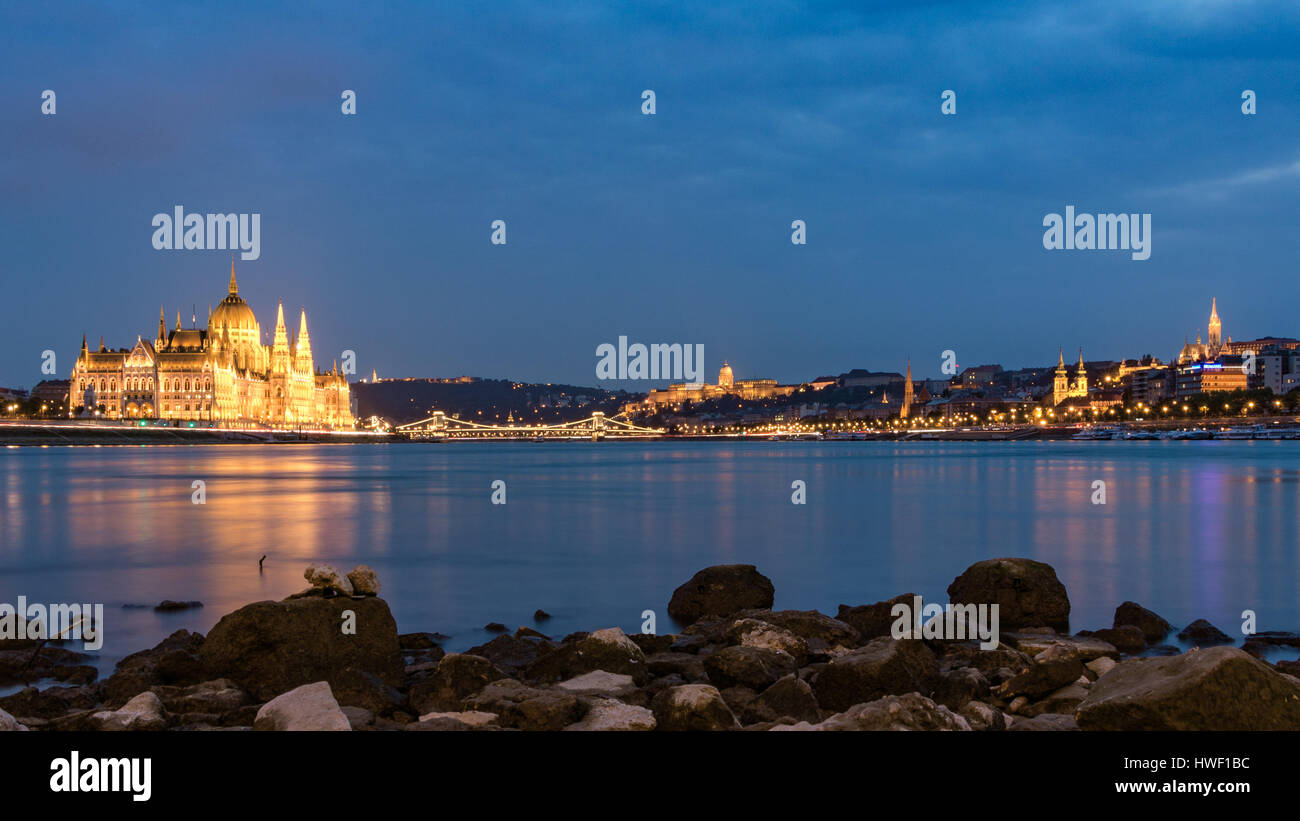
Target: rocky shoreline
<point x="331" y="658"/>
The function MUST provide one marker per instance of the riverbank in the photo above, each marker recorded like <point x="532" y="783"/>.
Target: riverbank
<point x="37" y="434"/>
<point x="332" y="658"/>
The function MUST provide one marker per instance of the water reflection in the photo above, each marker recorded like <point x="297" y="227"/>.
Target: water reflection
<point x="594" y="534"/>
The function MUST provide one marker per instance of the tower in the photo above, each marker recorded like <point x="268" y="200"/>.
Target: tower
<point x="1061" y="384"/>
<point x="1080" y="379"/>
<point x="907" y="393"/>
<point x="1216" y="328"/>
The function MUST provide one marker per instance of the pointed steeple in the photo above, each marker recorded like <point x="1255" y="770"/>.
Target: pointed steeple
<point x="83" y="342"/>
<point x="234" y="286"/>
<point x="178" y="319"/>
<point x="303" y="347"/>
<point x="162" y="325"/>
<point x="280" y="347"/>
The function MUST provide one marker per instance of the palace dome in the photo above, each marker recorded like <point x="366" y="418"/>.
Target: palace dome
<point x="725" y="377"/>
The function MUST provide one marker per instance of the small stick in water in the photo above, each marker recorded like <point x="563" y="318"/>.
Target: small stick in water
<point x="259" y="564"/>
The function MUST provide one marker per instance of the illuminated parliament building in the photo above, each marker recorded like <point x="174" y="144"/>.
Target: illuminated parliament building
<point x="221" y="374"/>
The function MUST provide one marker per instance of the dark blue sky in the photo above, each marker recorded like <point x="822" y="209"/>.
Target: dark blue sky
<point x="924" y="231"/>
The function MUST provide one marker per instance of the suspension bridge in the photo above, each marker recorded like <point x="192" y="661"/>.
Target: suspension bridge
<point x="598" y="426"/>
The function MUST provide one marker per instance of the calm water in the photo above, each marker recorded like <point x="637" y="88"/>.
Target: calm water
<point x="597" y="533"/>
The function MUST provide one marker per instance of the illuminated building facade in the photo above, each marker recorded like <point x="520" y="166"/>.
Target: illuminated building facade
<point x="221" y="374"/>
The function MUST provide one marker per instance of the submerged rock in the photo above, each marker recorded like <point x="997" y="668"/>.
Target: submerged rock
<point x="1202" y="632"/>
<point x="1154" y="628"/>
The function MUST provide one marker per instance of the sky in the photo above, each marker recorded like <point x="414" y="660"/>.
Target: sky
<point x="924" y="230"/>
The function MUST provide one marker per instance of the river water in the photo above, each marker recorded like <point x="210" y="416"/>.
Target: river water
<point x="597" y="533"/>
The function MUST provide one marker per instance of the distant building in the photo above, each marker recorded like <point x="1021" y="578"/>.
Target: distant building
<point x="1062" y="387"/>
<point x="1209" y="377"/>
<point x="728" y="385"/>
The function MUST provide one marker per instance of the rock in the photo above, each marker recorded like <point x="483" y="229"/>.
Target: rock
<point x="1101" y="666"/>
<point x="309" y="707"/>
<point x="1202" y="632"/>
<point x="495" y="627"/>
<point x="470" y="718"/>
<point x="513" y="654"/>
<point x="9" y="724"/>
<point x="692" y="707"/>
<point x="651" y="643"/>
<point x="420" y="641"/>
<point x="269" y="648"/>
<point x="688" y="644"/>
<point x="215" y="697"/>
<point x="457" y="676"/>
<point x="540" y="615"/>
<point x="1052" y="669"/>
<point x="364" y="581"/>
<point x="1049" y="722"/>
<point x="144" y="712"/>
<point x="872" y="621"/>
<point x="721" y="590"/>
<point x="1132" y="614"/>
<point x="609" y="650"/>
<point x="689" y="667"/>
<point x="599" y="683"/>
<point x="358" y="718"/>
<point x="820" y="632"/>
<point x="881" y="667"/>
<point x="526" y="708"/>
<point x="754" y="667"/>
<point x="1086" y="647"/>
<point x="768" y="636"/>
<point x="1126" y="638"/>
<point x="326" y="579"/>
<point x="789" y="697"/>
<point x="981" y="716"/>
<point x="958" y="687"/>
<point x="1219" y="688"/>
<point x="1028" y="593"/>
<point x="52" y="702"/>
<point x="522" y="632"/>
<point x="910" y="711"/>
<point x="606" y="714"/>
<point x="968" y="654"/>
<point x="360" y="688"/>
<point x="169" y="605"/>
<point x="1064" y="700"/>
<point x="174" y="661"/>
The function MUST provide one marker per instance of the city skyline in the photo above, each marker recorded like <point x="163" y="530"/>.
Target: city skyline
<point x="671" y="226"/>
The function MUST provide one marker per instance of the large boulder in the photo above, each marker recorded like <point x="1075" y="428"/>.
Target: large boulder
<point x="1027" y="593"/>
<point x="692" y="707"/>
<point x="881" y="667"/>
<point x="1219" y="688"/>
<point x="309" y="707"/>
<point x="819" y="631"/>
<point x="910" y="711"/>
<point x="721" y="590"/>
<point x="1132" y="614"/>
<point x="791" y="697"/>
<point x="268" y="647"/>
<point x="1051" y="670"/>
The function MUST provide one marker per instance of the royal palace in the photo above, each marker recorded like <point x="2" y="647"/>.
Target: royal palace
<point x="221" y="374"/>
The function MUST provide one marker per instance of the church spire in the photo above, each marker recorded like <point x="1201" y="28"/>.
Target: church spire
<point x="162" y="325"/>
<point x="234" y="286"/>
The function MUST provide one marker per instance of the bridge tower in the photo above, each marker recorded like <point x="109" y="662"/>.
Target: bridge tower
<point x="597" y="426"/>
